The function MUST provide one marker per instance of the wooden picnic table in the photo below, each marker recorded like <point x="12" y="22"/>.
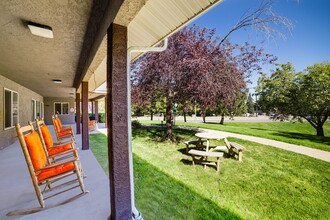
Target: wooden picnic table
<point x="209" y="136"/>
<point x="233" y="148"/>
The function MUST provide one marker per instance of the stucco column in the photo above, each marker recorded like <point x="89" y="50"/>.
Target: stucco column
<point x="117" y="112"/>
<point x="106" y="111"/>
<point x="92" y="104"/>
<point x="78" y="113"/>
<point x="84" y="105"/>
<point x="96" y="110"/>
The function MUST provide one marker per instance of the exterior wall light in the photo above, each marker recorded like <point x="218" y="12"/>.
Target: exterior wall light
<point x="58" y="81"/>
<point x="40" y="30"/>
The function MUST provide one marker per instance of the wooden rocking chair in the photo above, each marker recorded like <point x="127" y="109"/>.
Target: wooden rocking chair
<point x="60" y="131"/>
<point x="45" y="175"/>
<point x="54" y="148"/>
<point x="91" y="124"/>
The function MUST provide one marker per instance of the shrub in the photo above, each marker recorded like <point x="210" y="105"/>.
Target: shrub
<point x="136" y="124"/>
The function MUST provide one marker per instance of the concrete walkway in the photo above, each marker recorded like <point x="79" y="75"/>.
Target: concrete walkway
<point x="214" y="119"/>
<point x="319" y="154"/>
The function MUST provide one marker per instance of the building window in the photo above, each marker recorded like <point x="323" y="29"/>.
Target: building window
<point x="10" y="108"/>
<point x="61" y="108"/>
<point x="33" y="110"/>
<point x="37" y="110"/>
<point x="42" y="109"/>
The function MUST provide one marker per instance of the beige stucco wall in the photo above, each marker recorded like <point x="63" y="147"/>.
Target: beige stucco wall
<point x="49" y="110"/>
<point x="25" y="95"/>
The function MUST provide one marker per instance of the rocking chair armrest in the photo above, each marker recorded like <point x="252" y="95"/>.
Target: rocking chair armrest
<point x="59" y="163"/>
<point x="67" y="140"/>
<point x="59" y="144"/>
<point x="64" y="152"/>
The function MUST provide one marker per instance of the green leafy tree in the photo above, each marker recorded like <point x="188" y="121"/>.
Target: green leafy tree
<point x="156" y="105"/>
<point x="239" y="107"/>
<point x="250" y="104"/>
<point x="101" y="105"/>
<point x="302" y="95"/>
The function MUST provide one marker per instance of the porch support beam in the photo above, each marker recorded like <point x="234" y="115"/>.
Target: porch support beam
<point x="102" y="15"/>
<point x="117" y="112"/>
<point x="85" y="135"/>
<point x="97" y="98"/>
<point x="78" y="113"/>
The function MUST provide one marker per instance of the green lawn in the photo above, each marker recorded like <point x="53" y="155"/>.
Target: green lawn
<point x="294" y="133"/>
<point x="270" y="183"/>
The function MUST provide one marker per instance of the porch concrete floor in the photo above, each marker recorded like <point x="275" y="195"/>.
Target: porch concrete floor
<point x="17" y="192"/>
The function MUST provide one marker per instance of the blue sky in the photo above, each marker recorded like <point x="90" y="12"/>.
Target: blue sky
<point x="308" y="42"/>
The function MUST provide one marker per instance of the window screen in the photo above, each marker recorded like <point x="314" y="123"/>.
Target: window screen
<point x="7" y="109"/>
<point x="58" y="108"/>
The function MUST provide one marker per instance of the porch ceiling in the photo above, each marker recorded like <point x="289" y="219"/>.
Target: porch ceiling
<point x="155" y="20"/>
<point x="34" y="61"/>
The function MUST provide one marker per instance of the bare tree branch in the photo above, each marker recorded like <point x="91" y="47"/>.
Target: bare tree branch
<point x="263" y="20"/>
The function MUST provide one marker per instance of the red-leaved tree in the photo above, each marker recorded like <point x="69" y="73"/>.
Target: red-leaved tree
<point x="195" y="68"/>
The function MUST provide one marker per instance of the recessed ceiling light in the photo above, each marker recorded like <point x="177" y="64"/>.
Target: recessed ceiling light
<point x="57" y="81"/>
<point x="40" y="30"/>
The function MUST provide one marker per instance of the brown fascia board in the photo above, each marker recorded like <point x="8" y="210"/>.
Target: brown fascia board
<point x="102" y="15"/>
<point x="97" y="98"/>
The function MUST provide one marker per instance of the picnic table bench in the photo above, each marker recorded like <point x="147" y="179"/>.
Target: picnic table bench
<point x="203" y="158"/>
<point x="197" y="143"/>
<point x="235" y="149"/>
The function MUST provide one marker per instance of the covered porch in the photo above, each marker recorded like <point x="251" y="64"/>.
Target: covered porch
<point x="90" y="48"/>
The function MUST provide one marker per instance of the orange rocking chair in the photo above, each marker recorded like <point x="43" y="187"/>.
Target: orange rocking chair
<point x="62" y="132"/>
<point x="53" y="148"/>
<point x="91" y="124"/>
<point x="47" y="177"/>
<point x="56" y="150"/>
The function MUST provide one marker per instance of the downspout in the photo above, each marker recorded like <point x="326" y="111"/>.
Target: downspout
<point x="136" y="214"/>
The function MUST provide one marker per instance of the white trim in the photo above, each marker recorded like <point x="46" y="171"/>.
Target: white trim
<point x="184" y="23"/>
<point x="130" y="149"/>
<point x="17" y="107"/>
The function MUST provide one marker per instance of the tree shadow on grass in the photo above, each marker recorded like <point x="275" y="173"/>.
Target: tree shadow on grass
<point x="159" y="196"/>
<point x="183" y="151"/>
<point x="310" y="137"/>
<point x="157" y="134"/>
<point x="262" y="129"/>
<point x="213" y="123"/>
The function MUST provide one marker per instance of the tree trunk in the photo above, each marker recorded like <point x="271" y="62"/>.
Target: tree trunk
<point x="184" y="116"/>
<point x="222" y="118"/>
<point x="203" y="115"/>
<point x="319" y="130"/>
<point x="317" y="124"/>
<point x="151" y="116"/>
<point x="169" y="102"/>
